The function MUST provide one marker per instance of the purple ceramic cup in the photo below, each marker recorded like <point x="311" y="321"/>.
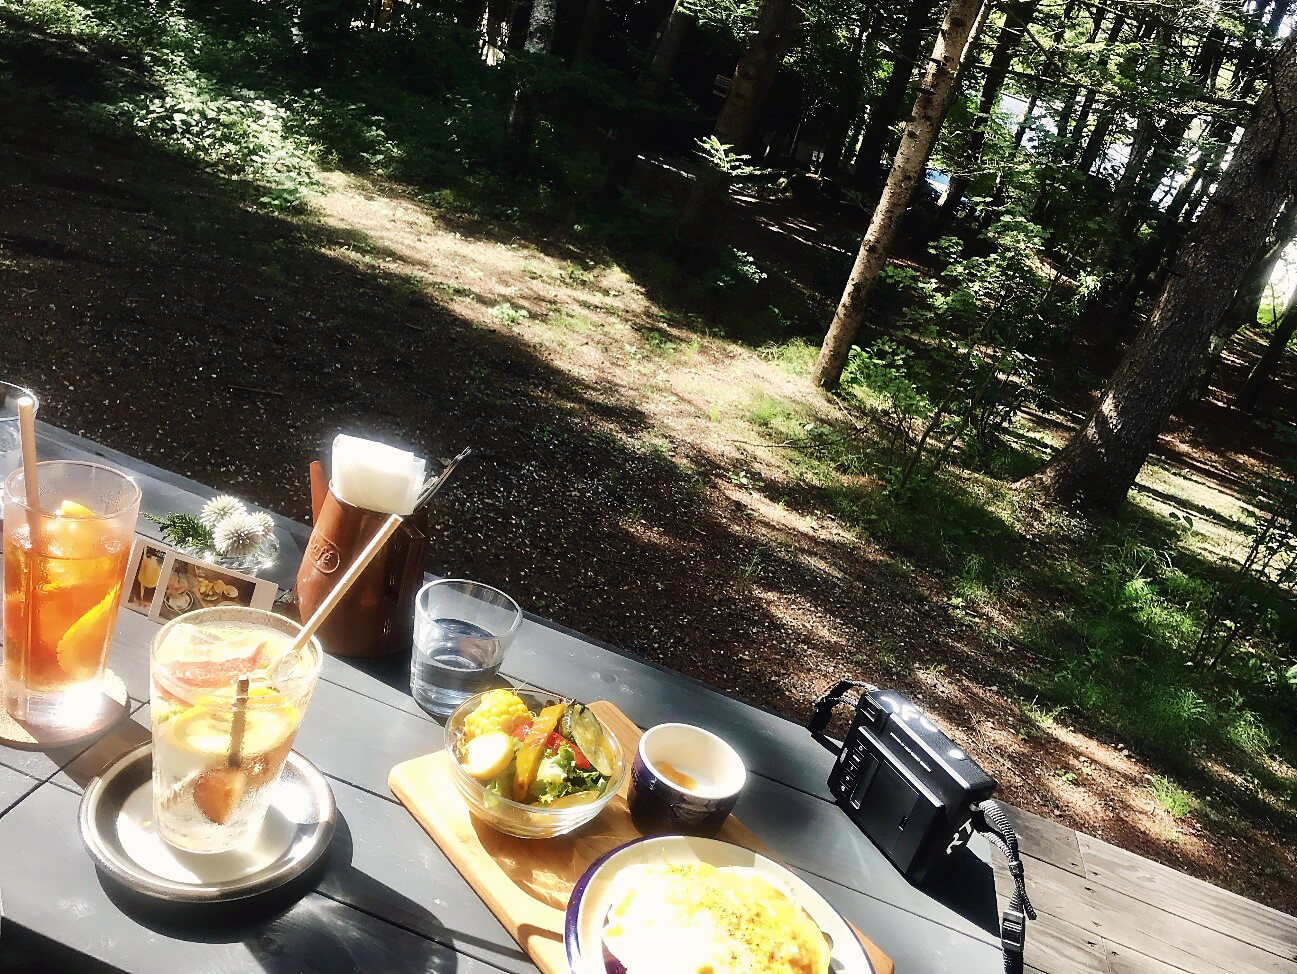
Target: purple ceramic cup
<point x="685" y="780"/>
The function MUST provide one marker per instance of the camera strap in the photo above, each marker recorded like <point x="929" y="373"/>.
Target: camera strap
<point x="990" y="820"/>
<point x="824" y="707"/>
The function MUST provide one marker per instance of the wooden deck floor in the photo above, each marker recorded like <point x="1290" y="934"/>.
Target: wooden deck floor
<point x="1103" y="909"/>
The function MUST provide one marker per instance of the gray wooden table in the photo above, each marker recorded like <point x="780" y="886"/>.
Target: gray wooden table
<point x="386" y="899"/>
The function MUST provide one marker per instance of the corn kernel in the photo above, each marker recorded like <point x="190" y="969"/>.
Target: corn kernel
<point x="498" y="710"/>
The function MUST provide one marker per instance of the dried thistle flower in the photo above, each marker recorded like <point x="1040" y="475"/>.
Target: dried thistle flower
<point x="266" y="521"/>
<point x="218" y="509"/>
<point x="238" y="535"/>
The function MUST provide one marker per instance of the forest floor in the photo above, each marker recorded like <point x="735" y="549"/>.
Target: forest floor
<point x="632" y="476"/>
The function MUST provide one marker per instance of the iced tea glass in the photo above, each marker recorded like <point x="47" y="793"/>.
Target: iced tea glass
<point x="228" y="694"/>
<point x="64" y="567"/>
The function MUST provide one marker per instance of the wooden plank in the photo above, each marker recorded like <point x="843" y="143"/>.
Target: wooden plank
<point x="1124" y="921"/>
<point x="1191" y="899"/>
<point x="504" y="870"/>
<point x="14" y="786"/>
<point x="1043" y="838"/>
<point x="1055" y="946"/>
<point x="52" y="890"/>
<point x="1123" y="960"/>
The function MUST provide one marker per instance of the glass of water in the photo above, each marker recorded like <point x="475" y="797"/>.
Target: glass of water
<point x="462" y="630"/>
<point x="11" y="453"/>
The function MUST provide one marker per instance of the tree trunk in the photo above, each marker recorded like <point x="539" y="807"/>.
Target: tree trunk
<point x="1172" y="222"/>
<point x="1094" y="145"/>
<point x="1099" y="464"/>
<point x="885" y="111"/>
<point x="848" y="97"/>
<point x="755" y="73"/>
<point x="522" y="114"/>
<point x="936" y="92"/>
<point x="753" y="76"/>
<point x="1017" y="15"/>
<point x="624" y="142"/>
<point x="1242" y="310"/>
<point x="1263" y="372"/>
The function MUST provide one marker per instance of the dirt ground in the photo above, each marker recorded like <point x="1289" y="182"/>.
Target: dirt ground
<point x="613" y="486"/>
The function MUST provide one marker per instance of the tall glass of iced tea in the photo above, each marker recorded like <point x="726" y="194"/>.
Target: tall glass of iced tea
<point x="64" y="567"/>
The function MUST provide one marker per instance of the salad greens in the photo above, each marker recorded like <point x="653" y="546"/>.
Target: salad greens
<point x="559" y="777"/>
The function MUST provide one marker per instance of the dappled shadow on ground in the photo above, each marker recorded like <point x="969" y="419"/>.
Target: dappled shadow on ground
<point x="157" y="314"/>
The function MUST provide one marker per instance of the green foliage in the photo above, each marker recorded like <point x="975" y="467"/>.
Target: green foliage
<point x="735" y="269"/>
<point x="735" y="167"/>
<point x="183" y="531"/>
<point x="509" y="314"/>
<point x="967" y="355"/>
<point x="1176" y="800"/>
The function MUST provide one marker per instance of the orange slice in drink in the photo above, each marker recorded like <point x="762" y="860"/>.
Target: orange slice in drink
<point x="70" y="534"/>
<point x="81" y="647"/>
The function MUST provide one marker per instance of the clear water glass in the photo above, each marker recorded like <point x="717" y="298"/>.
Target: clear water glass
<point x="462" y="629"/>
<point x="11" y="453"/>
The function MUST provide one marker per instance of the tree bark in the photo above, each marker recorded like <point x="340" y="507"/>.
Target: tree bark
<point x="1017" y="15"/>
<point x="1099" y="464"/>
<point x="624" y="141"/>
<point x="590" y="31"/>
<point x="936" y="92"/>
<point x="753" y="76"/>
<point x="848" y="97"/>
<point x="1258" y="380"/>
<point x="522" y="113"/>
<point x="887" y="108"/>
<point x="755" y="73"/>
<point x="1242" y="309"/>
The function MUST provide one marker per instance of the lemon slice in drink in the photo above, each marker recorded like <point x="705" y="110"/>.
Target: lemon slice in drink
<point x="82" y="646"/>
<point x="202" y="732"/>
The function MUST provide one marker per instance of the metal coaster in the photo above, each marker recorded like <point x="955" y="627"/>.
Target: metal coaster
<point x="26" y="737"/>
<point x="117" y="828"/>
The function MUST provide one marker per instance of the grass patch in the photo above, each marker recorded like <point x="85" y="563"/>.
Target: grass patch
<point x="568" y="321"/>
<point x="796" y="356"/>
<point x="1176" y="800"/>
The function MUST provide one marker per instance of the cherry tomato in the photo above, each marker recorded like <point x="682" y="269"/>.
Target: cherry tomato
<point x="557" y="740"/>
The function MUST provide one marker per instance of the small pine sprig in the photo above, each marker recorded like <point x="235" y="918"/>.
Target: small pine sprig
<point x="183" y="531"/>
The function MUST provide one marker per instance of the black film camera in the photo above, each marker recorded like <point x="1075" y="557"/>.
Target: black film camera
<point x="916" y="794"/>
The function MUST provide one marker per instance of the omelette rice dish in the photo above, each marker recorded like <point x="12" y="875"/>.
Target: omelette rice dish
<point x="695" y="918"/>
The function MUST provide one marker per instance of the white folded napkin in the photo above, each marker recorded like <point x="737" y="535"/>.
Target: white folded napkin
<point x="376" y="476"/>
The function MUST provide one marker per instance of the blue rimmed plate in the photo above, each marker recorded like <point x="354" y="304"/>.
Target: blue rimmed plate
<point x="595" y="891"/>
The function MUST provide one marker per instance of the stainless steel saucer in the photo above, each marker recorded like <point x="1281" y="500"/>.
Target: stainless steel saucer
<point x="117" y="829"/>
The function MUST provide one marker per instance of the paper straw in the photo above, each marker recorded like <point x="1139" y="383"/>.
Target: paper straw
<point x="346" y="581"/>
<point x="27" y="430"/>
<point x="239" y="725"/>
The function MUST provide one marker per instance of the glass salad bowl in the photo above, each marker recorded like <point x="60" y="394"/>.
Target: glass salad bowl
<point x="488" y="798"/>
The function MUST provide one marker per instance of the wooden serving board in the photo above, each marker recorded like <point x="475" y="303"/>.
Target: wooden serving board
<point x="527" y="882"/>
